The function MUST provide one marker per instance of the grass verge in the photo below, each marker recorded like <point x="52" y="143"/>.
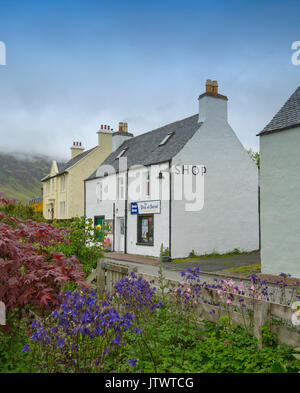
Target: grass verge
<point x="193" y="256"/>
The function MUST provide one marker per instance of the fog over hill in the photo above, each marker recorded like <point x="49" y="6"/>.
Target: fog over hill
<point x="21" y="174"/>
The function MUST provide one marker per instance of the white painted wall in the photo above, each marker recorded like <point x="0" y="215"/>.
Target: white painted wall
<point x="280" y="202"/>
<point x="95" y="207"/>
<point x="161" y="221"/>
<point x="229" y="218"/>
<point x="118" y="139"/>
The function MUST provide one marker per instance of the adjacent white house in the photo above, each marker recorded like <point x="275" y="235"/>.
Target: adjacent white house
<point x="280" y="190"/>
<point x="189" y="185"/>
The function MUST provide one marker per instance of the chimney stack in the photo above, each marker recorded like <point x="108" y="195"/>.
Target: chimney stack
<point x="212" y="105"/>
<point x="76" y="149"/>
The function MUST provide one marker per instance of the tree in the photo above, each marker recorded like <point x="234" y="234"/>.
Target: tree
<point x="255" y="156"/>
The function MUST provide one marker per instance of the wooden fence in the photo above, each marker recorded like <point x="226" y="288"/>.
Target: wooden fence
<point x="108" y="273"/>
<point x="255" y="313"/>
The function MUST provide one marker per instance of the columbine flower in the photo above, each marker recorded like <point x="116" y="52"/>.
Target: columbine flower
<point x="26" y="348"/>
<point x="60" y="342"/>
<point x="132" y="362"/>
<point x="117" y="340"/>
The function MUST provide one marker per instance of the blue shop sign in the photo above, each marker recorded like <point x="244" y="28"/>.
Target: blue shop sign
<point x="147" y="207"/>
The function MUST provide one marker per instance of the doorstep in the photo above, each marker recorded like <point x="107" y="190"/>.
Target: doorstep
<point x="132" y="258"/>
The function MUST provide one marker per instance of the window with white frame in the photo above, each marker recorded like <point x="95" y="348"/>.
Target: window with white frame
<point x="62" y="210"/>
<point x="121" y="187"/>
<point x="99" y="191"/>
<point x="62" y="184"/>
<point x="148" y="183"/>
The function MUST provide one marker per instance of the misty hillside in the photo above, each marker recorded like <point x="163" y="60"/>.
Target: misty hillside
<point x="20" y="175"/>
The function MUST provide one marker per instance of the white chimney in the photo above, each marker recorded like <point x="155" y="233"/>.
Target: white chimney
<point x="212" y="105"/>
<point x="120" y="136"/>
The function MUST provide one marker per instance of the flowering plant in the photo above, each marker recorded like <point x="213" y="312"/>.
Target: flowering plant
<point x="80" y="334"/>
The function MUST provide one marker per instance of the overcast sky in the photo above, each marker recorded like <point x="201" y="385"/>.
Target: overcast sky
<point x="73" y="65"/>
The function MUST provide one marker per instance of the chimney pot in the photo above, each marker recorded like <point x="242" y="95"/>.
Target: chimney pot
<point x="208" y="86"/>
<point x="214" y="86"/>
<point x="101" y="126"/>
<point x="108" y="127"/>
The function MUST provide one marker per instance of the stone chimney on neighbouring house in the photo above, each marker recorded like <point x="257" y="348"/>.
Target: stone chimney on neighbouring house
<point x="105" y="137"/>
<point x="120" y="136"/>
<point x="212" y="105"/>
<point x="76" y="149"/>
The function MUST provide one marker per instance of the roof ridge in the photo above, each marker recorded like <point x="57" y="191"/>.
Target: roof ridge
<point x="84" y="152"/>
<point x="159" y="128"/>
<point x="143" y="149"/>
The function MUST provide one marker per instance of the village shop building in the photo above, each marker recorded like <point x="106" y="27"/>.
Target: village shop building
<point x="200" y="157"/>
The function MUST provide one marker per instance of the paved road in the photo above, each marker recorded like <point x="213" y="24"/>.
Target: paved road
<point x="215" y="264"/>
<point x="172" y="270"/>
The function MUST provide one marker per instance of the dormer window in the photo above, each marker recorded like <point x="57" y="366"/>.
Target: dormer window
<point x="166" y="138"/>
<point x="121" y="153"/>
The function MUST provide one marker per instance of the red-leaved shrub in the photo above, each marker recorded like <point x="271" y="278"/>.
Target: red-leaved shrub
<point x="30" y="272"/>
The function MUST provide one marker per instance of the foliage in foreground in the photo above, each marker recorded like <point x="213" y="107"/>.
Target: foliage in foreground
<point x="135" y="330"/>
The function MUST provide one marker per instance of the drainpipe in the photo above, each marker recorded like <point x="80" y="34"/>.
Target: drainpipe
<point x="170" y="208"/>
<point x="84" y="200"/>
<point x="113" y="229"/>
<point x="126" y="213"/>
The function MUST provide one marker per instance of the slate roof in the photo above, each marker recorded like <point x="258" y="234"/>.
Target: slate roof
<point x="287" y="117"/>
<point x="62" y="167"/>
<point x="144" y="149"/>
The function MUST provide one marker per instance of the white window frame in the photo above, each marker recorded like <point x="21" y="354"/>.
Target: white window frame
<point x="62" y="211"/>
<point x="100" y="192"/>
<point x="148" y="184"/>
<point x="62" y="184"/>
<point x="121" y="187"/>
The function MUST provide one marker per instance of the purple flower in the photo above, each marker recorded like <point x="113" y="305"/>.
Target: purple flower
<point x="60" y="342"/>
<point x="117" y="340"/>
<point x="26" y="348"/>
<point x="132" y="362"/>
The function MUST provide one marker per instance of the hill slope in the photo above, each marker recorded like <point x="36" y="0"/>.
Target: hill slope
<point x="20" y="175"/>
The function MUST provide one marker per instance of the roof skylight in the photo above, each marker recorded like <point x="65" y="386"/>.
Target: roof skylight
<point x="166" y="138"/>
<point x="121" y="153"/>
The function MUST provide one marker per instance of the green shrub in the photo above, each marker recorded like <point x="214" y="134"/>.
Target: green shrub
<point x="22" y="211"/>
<point x="83" y="243"/>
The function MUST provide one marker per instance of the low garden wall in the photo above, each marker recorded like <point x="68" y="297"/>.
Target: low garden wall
<point x="212" y="304"/>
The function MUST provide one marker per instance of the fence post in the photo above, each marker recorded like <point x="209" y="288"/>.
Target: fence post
<point x="101" y="275"/>
<point x="260" y="318"/>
